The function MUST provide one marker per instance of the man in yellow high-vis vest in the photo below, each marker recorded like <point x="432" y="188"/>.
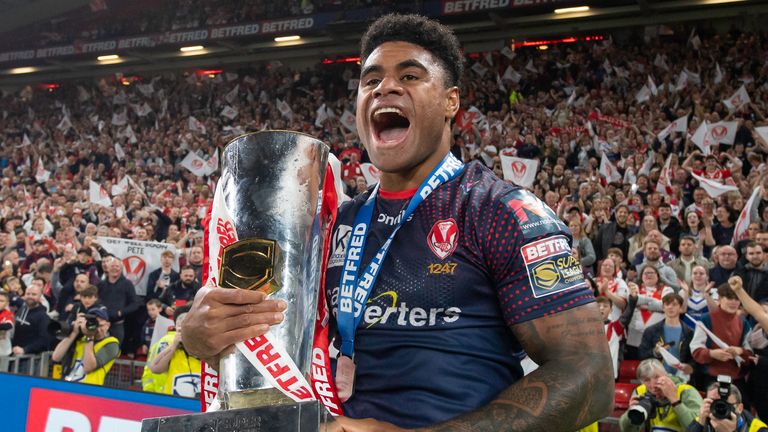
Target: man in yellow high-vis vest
<point x="180" y="369"/>
<point x="89" y="351"/>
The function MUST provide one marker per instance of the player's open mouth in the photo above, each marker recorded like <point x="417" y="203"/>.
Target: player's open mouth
<point x="390" y="125"/>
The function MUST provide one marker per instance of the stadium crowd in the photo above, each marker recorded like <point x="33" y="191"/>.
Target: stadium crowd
<point x="601" y="118"/>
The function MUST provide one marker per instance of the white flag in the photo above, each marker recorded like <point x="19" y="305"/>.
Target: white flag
<point x="284" y="109"/>
<point x="508" y="53"/>
<point x="119" y="151"/>
<point x="664" y="185"/>
<point x="748" y="214"/>
<point x="231" y="76"/>
<point x="41" y="174"/>
<point x="713" y="187"/>
<point x="142" y="110"/>
<point x="718" y="74"/>
<point x="607" y="66"/>
<point x="371" y="173"/>
<point x="660" y="62"/>
<point x="232" y="95"/>
<point x="119" y="119"/>
<point x="321" y="116"/>
<point x="64" y="124"/>
<point x="195" y="125"/>
<point x="682" y="81"/>
<point x="679" y="125"/>
<point x="146" y="89"/>
<point x="229" y="112"/>
<point x="128" y="133"/>
<point x="738" y="99"/>
<point x="98" y="195"/>
<point x="121" y="187"/>
<point x="25" y="141"/>
<point x="609" y="171"/>
<point x="479" y="69"/>
<point x="692" y="76"/>
<point x="722" y="132"/>
<point x="348" y="120"/>
<point x="700" y="138"/>
<point x="571" y="98"/>
<point x="652" y="86"/>
<point x="511" y="75"/>
<point x="530" y="67"/>
<point x="212" y="164"/>
<point x="519" y="171"/>
<point x="646" y="168"/>
<point x="194" y="163"/>
<point x="82" y="94"/>
<point x="644" y="95"/>
<point x="762" y="132"/>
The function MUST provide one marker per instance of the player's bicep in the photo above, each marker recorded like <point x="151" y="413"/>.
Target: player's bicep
<point x="577" y="331"/>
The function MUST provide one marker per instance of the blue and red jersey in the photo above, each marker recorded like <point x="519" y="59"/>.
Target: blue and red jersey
<point x="477" y="257"/>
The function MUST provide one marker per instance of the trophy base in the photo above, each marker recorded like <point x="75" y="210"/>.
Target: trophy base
<point x="254" y="398"/>
<point x="297" y="417"/>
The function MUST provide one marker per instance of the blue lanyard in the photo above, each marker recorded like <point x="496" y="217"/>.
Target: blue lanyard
<point x="354" y="291"/>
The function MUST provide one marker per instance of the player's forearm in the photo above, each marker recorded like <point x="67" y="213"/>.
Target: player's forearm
<point x="562" y="395"/>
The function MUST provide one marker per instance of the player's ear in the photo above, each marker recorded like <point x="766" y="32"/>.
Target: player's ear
<point x="452" y="102"/>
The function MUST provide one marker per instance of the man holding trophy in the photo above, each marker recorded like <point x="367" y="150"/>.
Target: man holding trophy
<point x="434" y="279"/>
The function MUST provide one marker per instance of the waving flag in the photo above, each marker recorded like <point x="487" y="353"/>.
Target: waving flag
<point x="519" y="171"/>
<point x="98" y="195"/>
<point x="748" y="214"/>
<point x="713" y="187"/>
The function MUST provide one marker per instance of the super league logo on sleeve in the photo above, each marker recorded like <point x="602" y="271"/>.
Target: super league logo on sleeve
<point x="533" y="216"/>
<point x="551" y="267"/>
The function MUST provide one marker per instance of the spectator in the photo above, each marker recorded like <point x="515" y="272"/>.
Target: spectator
<point x="159" y="279"/>
<point x="701" y="294"/>
<point x="582" y="244"/>
<point x="181" y="292"/>
<point x="722" y="231"/>
<point x="636" y="241"/>
<point x="6" y="324"/>
<point x="725" y="323"/>
<point x="69" y="294"/>
<point x="701" y="231"/>
<point x="669" y="226"/>
<point x="611" y="286"/>
<point x="118" y="295"/>
<point x="738" y="419"/>
<point x="754" y="273"/>
<point x="725" y="265"/>
<point x="678" y="404"/>
<point x="671" y="334"/>
<point x="89" y="351"/>
<point x="181" y="370"/>
<point x="614" y="331"/>
<point x="652" y="258"/>
<point x="684" y="264"/>
<point x="657" y="237"/>
<point x="615" y="234"/>
<point x="31" y="330"/>
<point x="154" y="308"/>
<point x="195" y="260"/>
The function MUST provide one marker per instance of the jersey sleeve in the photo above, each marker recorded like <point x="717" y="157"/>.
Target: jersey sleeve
<point x="528" y="254"/>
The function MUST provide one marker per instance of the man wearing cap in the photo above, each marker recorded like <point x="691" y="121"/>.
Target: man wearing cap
<point x="161" y="278"/>
<point x="89" y="351"/>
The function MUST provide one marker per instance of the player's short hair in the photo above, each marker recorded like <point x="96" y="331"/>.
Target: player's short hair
<point x="418" y="30"/>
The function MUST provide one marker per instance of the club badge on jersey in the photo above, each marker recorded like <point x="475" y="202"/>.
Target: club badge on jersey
<point x="354" y="291"/>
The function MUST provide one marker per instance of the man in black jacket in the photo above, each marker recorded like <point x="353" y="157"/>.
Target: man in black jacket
<point x="31" y="331"/>
<point x="754" y="274"/>
<point x="615" y="234"/>
<point x="159" y="280"/>
<point x="180" y="292"/>
<point x="670" y="227"/>
<point x="119" y="296"/>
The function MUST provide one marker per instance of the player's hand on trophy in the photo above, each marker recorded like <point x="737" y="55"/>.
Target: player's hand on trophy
<point x="221" y="317"/>
<point x="346" y="424"/>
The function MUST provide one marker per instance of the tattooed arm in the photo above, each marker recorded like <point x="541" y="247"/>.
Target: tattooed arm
<point x="572" y="388"/>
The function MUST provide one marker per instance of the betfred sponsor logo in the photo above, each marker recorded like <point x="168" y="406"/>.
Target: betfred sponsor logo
<point x="545" y="248"/>
<point x="278" y="367"/>
<point x="551" y="267"/>
<point x="57" y="411"/>
<point x="464" y="6"/>
<point x="321" y="381"/>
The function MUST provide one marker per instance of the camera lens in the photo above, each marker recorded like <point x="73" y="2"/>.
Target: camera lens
<point x="721" y="409"/>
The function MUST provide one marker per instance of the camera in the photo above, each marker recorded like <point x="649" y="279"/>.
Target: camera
<point x="721" y="408"/>
<point x="91" y="322"/>
<point x="644" y="410"/>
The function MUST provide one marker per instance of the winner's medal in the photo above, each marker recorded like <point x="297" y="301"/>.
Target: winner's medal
<point x="345" y="377"/>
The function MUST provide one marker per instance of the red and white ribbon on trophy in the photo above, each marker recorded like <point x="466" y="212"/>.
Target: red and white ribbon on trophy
<point x="263" y="352"/>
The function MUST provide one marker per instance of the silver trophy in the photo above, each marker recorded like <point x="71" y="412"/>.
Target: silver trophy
<point x="272" y="185"/>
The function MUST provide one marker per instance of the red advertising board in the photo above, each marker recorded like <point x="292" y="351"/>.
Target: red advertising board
<point x="57" y="411"/>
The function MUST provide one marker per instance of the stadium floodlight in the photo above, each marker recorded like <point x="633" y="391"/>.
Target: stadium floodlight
<point x="108" y="57"/>
<point x="287" y="38"/>
<point x="571" y="10"/>
<point x="191" y="48"/>
<point x="23" y="70"/>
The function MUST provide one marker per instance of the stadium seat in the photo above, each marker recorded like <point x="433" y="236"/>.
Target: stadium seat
<point x="628" y="371"/>
<point x="622" y="392"/>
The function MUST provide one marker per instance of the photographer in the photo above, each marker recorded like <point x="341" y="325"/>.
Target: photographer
<point x="94" y="350"/>
<point x="723" y="411"/>
<point x="180" y="371"/>
<point x="662" y="402"/>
